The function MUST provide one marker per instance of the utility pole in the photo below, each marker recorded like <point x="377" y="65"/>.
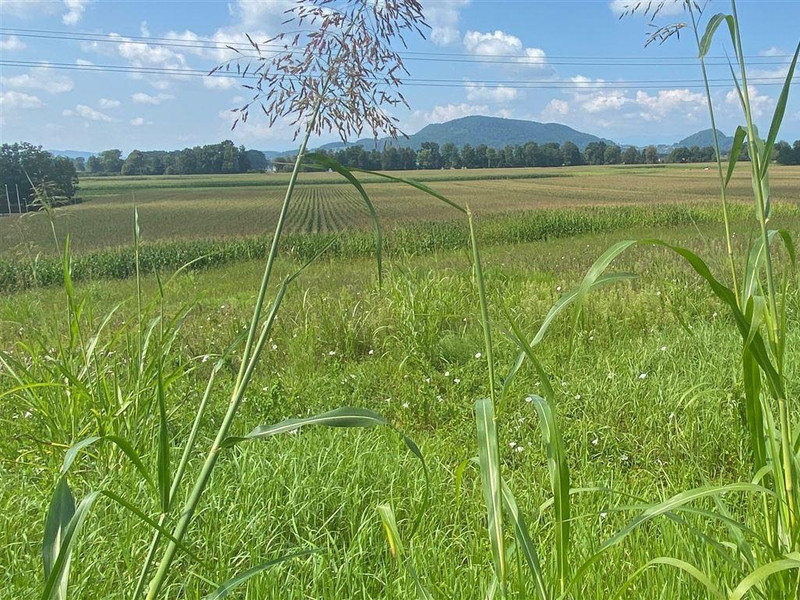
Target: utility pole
<point x="8" y="200"/>
<point x="19" y="203"/>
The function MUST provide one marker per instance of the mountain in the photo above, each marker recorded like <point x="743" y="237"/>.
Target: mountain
<point x="72" y="153"/>
<point x="492" y="131"/>
<point x="705" y="138"/>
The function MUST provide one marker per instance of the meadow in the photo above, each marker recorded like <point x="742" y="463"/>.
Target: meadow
<point x="649" y="398"/>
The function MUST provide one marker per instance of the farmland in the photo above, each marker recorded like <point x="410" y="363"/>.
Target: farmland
<point x="649" y="397"/>
<point x="236" y="206"/>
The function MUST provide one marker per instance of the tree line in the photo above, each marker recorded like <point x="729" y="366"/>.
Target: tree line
<point x="224" y="157"/>
<point x="28" y="174"/>
<point x="449" y="156"/>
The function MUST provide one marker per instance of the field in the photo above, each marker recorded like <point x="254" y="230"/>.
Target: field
<point x="648" y="385"/>
<point x="232" y="206"/>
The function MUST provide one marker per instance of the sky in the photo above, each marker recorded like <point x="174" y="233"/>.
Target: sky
<point x="78" y="74"/>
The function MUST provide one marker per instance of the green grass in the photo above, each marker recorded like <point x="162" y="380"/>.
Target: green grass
<point x="649" y="403"/>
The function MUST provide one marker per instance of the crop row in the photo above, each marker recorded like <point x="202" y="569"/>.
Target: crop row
<point x="119" y="263"/>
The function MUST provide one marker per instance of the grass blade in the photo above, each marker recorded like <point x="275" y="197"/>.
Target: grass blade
<point x="396" y="548"/>
<point x="777" y="117"/>
<point x="416" y="184"/>
<point x="713" y="23"/>
<point x="696" y="573"/>
<point x="524" y="542"/>
<point x="792" y="561"/>
<point x="489" y="461"/>
<point x="59" y="572"/>
<point x="224" y="589"/>
<point x="62" y="508"/>
<point x="559" y="483"/>
<point x="339" y="417"/>
<point x="121" y="443"/>
<point x="735" y="151"/>
<point x="557" y="309"/>
<point x="327" y="161"/>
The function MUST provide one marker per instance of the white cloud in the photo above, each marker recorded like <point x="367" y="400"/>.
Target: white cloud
<point x="144" y="29"/>
<point x="84" y="63"/>
<point x="106" y="103"/>
<point x="142" y="98"/>
<point x="667" y="7"/>
<point x="555" y="110"/>
<point x="772" y="51"/>
<point x="139" y="121"/>
<point x="443" y="18"/>
<point x="11" y="43"/>
<point x="604" y="100"/>
<point x="667" y="102"/>
<point x="13" y="99"/>
<point x="40" y="78"/>
<point x="759" y="103"/>
<point x="88" y="113"/>
<point x="501" y="44"/>
<point x="26" y="8"/>
<point x="220" y="82"/>
<point x="75" y="9"/>
<point x="447" y="112"/>
<point x="500" y="94"/>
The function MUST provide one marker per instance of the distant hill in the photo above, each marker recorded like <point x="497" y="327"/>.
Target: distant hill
<point x="72" y="153"/>
<point x="492" y="131"/>
<point x="705" y="138"/>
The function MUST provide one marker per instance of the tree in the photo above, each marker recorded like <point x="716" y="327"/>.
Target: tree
<point x="651" y="155"/>
<point x="134" y="164"/>
<point x="595" y="153"/>
<point x="679" y="155"/>
<point x="612" y="155"/>
<point x="111" y="161"/>
<point x="23" y="166"/>
<point x="80" y="164"/>
<point x="93" y="165"/>
<point x="451" y="158"/>
<point x="469" y="157"/>
<point x="630" y="156"/>
<point x="570" y="154"/>
<point x="428" y="157"/>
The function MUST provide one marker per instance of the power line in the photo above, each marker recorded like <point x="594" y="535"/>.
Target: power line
<point x="435" y="82"/>
<point x="447" y="57"/>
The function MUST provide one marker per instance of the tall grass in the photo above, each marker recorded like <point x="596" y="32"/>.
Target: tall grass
<point x="762" y="558"/>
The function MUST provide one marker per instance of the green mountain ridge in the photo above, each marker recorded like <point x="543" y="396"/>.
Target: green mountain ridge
<point x="495" y="132"/>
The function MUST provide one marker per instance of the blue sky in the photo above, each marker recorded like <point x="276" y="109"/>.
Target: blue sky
<point x="567" y="61"/>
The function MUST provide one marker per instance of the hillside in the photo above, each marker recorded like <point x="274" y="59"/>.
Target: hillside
<point x="495" y="132"/>
<point x="705" y="138"/>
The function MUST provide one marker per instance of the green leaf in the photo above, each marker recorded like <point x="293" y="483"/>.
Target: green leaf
<point x="696" y="573"/>
<point x="339" y="417"/>
<point x="390" y="528"/>
<point x="735" y="151"/>
<point x="121" y="443"/>
<point x="327" y="161"/>
<point x="557" y="308"/>
<point x="164" y="483"/>
<point x="224" y="589"/>
<point x="56" y="581"/>
<point x="559" y="483"/>
<point x="777" y="117"/>
<point x="62" y="508"/>
<point x="489" y="461"/>
<point x="524" y="541"/>
<point x="792" y="561"/>
<point x="151" y="522"/>
<point x="416" y="184"/>
<point x="711" y="28"/>
<point x="396" y="547"/>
